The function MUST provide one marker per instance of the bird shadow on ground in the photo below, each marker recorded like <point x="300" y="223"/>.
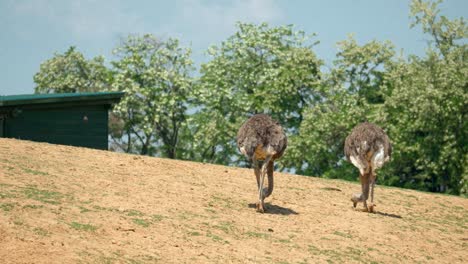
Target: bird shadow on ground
<point x="331" y="189"/>
<point x="379" y="213"/>
<point x="388" y="215"/>
<point x="275" y="209"/>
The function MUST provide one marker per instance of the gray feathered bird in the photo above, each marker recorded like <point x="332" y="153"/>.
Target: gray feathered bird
<point x="368" y="148"/>
<point x="261" y="138"/>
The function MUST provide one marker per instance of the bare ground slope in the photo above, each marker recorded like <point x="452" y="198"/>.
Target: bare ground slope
<point x="61" y="204"/>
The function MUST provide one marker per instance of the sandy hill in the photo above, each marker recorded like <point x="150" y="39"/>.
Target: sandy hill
<point x="61" y="204"/>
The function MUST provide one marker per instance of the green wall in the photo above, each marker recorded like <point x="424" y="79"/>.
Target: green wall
<point x="61" y="126"/>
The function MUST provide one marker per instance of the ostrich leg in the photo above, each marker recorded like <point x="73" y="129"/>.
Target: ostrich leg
<point x="260" y="204"/>
<point x="372" y="184"/>
<point x="256" y="170"/>
<point x="365" y="189"/>
<point x="267" y="191"/>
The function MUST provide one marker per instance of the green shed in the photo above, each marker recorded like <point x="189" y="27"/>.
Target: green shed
<point x="77" y="119"/>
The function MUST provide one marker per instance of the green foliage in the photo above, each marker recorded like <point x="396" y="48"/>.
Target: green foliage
<point x="446" y="34"/>
<point x="155" y="75"/>
<point x="361" y="69"/>
<point x="259" y="69"/>
<point x="72" y="73"/>
<point x="427" y="110"/>
<point x="427" y="115"/>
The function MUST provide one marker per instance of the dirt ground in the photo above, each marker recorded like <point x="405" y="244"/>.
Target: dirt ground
<point x="62" y="204"/>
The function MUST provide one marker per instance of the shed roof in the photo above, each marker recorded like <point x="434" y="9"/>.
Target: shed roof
<point x="35" y="99"/>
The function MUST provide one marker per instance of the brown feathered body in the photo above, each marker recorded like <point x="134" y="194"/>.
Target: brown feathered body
<point x="261" y="135"/>
<point x="261" y="138"/>
<point x="368" y="148"/>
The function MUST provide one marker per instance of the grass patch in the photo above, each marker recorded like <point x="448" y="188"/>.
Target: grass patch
<point x="18" y="222"/>
<point x="7" y="194"/>
<point x="109" y="209"/>
<point x="6" y="207"/>
<point x="224" y="202"/>
<point x="411" y="196"/>
<point x="84" y="209"/>
<point x="157" y="218"/>
<point x="42" y="195"/>
<point x="35" y="172"/>
<point x="341" y="234"/>
<point x="354" y="251"/>
<point x="82" y="227"/>
<point x="141" y="222"/>
<point x="32" y="206"/>
<point x="257" y="235"/>
<point x="313" y="249"/>
<point x="149" y="258"/>
<point x="187" y="215"/>
<point x="210" y="210"/>
<point x="226" y="227"/>
<point x="216" y="238"/>
<point x="106" y="260"/>
<point x="195" y="233"/>
<point x="103" y="257"/>
<point x="41" y="231"/>
<point x="99" y="257"/>
<point x="340" y="256"/>
<point x="132" y="212"/>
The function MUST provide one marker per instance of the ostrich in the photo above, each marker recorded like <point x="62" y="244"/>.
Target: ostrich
<point x="367" y="148"/>
<point x="262" y="138"/>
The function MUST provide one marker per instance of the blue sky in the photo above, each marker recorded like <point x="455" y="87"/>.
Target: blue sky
<point x="32" y="31"/>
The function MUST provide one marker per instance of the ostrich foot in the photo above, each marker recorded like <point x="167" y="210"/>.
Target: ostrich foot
<point x="260" y="207"/>
<point x="371" y="207"/>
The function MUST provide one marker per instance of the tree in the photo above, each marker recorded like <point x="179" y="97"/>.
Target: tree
<point x="155" y="75"/>
<point x="361" y="69"/>
<point x="427" y="109"/>
<point x="71" y="73"/>
<point x="446" y="34"/>
<point x="260" y="69"/>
